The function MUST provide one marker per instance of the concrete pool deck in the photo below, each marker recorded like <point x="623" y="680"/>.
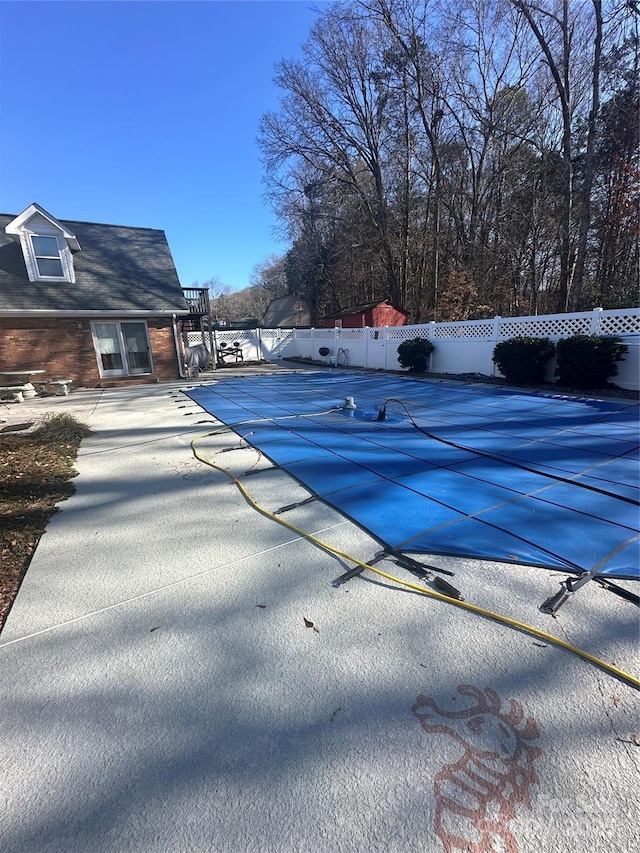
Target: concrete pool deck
<point x="181" y="673"/>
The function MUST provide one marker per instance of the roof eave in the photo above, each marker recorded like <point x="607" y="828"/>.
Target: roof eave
<point x="35" y="312"/>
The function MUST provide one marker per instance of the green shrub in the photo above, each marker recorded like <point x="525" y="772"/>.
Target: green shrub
<point x="587" y="361"/>
<point x="522" y="360"/>
<point x="414" y="354"/>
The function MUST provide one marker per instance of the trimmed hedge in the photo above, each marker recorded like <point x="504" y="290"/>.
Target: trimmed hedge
<point x="523" y="360"/>
<point x="587" y="361"/>
<point x="414" y="354"/>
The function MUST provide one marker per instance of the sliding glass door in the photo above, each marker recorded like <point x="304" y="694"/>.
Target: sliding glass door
<point x="122" y="349"/>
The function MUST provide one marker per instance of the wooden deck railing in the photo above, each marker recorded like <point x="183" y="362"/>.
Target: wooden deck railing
<point x="197" y="300"/>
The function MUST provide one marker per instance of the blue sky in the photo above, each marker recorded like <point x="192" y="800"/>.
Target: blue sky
<point x="146" y="114"/>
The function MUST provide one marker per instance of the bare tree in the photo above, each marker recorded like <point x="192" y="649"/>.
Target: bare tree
<point x="411" y="28"/>
<point x="270" y="276"/>
<point x="333" y="121"/>
<point x="423" y="143"/>
<point x="467" y="92"/>
<point x="617" y="225"/>
<point x="570" y="38"/>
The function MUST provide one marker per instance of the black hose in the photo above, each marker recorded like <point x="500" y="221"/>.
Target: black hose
<point x="487" y="455"/>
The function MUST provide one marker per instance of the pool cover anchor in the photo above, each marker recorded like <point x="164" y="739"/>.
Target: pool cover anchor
<point x="567" y="588"/>
<point x="357" y="570"/>
<point x="289" y="507"/>
<point x="411" y="564"/>
<point x="555" y="602"/>
<point x="446" y="588"/>
<point x="571" y="585"/>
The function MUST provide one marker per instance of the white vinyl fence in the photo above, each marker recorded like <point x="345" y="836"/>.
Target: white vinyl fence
<point x="460" y="347"/>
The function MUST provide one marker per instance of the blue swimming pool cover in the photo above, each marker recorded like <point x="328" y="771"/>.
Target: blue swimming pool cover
<point x="465" y="470"/>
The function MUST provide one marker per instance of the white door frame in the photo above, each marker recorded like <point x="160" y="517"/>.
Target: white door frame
<point x="113" y="348"/>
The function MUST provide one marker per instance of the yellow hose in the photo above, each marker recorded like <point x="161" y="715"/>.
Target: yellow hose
<point x="473" y="608"/>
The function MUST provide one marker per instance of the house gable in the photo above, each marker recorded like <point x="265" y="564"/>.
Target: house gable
<point x="47" y="246"/>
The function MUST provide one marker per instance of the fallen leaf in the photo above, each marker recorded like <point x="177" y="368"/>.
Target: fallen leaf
<point x="309" y="624"/>
<point x="261" y="606"/>
<point x="635" y="739"/>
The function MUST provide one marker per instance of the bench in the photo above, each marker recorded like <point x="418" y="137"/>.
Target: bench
<point x="14" y="391"/>
<point x="59" y="387"/>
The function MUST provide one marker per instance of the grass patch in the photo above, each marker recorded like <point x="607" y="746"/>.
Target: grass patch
<point x="60" y="428"/>
<point x="36" y="470"/>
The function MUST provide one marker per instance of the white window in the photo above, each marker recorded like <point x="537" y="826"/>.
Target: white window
<point x="46" y="251"/>
<point x="47" y="245"/>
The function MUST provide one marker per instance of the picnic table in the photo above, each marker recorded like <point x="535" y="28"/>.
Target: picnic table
<point x="21" y="383"/>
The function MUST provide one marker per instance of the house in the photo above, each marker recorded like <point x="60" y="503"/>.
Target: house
<point x="373" y="314"/>
<point x="95" y="304"/>
<point x="288" y="312"/>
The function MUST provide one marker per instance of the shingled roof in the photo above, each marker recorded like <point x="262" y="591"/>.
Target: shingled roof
<point x="118" y="270"/>
<point x="361" y="309"/>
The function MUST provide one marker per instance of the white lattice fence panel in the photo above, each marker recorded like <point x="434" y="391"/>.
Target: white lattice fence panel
<point x="351" y="334"/>
<point x="274" y="334"/>
<point x="474" y="330"/>
<point x="620" y="323"/>
<point x="237" y="336"/>
<point x="192" y="339"/>
<point x="545" y="327"/>
<point x="275" y="341"/>
<point x="405" y="333"/>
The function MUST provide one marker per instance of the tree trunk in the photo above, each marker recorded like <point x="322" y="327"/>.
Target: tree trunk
<point x="585" y="215"/>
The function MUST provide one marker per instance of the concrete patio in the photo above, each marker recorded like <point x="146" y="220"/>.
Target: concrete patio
<point x="181" y="673"/>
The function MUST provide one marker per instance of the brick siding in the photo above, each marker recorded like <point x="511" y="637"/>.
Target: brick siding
<point x="64" y="348"/>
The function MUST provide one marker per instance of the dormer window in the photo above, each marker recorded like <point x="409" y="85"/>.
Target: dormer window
<point x="47" y="256"/>
<point x="47" y="245"/>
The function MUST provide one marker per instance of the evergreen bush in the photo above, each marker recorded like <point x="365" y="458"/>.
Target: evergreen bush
<point x="587" y="361"/>
<point x="414" y="354"/>
<point x="523" y="360"/>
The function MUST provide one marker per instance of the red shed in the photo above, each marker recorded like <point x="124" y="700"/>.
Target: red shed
<point x="376" y="314"/>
